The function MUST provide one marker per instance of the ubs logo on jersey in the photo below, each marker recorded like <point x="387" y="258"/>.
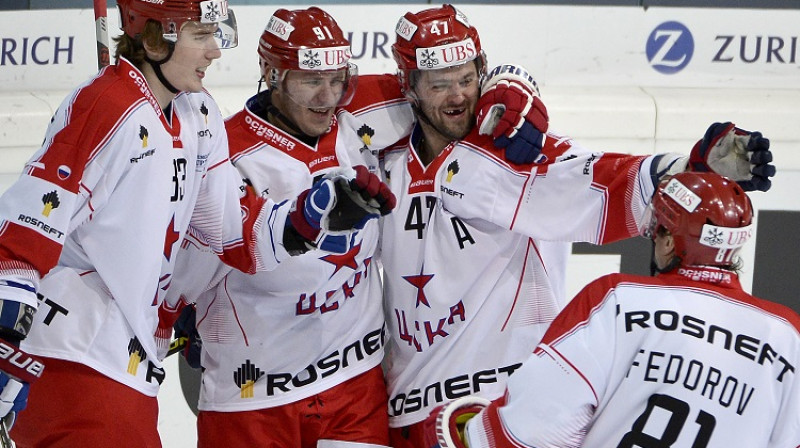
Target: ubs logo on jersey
<point x="245" y="378"/>
<point x="670" y="47"/>
<point x="50" y="201"/>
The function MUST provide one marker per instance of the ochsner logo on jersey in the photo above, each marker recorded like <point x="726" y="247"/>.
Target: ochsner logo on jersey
<point x="447" y="55"/>
<point x="329" y="58"/>
<point x="670" y="47"/>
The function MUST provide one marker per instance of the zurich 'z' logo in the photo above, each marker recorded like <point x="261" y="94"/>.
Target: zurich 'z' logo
<point x="670" y="47"/>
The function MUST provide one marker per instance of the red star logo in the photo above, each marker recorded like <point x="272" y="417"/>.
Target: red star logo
<point x="170" y="238"/>
<point x="347" y="259"/>
<point x="419" y="281"/>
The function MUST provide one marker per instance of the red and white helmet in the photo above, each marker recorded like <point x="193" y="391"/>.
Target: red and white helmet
<point x="709" y="216"/>
<point x="172" y="14"/>
<point x="434" y="39"/>
<point x="306" y="39"/>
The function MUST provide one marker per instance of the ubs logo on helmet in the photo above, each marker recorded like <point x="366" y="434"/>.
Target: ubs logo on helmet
<point x="448" y="55"/>
<point x="670" y="47"/>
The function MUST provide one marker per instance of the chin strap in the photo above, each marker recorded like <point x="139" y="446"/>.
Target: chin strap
<point x="157" y="68"/>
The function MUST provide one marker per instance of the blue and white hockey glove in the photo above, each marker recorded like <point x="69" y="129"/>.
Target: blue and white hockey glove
<point x="15" y="379"/>
<point x="338" y="206"/>
<point x="739" y="155"/>
<point x="445" y="426"/>
<point x="511" y="111"/>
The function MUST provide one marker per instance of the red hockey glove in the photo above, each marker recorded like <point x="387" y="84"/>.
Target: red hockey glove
<point x="338" y="206"/>
<point x="445" y="426"/>
<point x="740" y="155"/>
<point x="511" y="111"/>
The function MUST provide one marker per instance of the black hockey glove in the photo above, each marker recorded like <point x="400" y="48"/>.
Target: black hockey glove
<point x="187" y="336"/>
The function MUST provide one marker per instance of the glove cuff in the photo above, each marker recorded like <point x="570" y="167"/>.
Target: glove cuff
<point x="299" y="222"/>
<point x="25" y="367"/>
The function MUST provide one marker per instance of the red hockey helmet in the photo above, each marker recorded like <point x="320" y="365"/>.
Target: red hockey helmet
<point x="433" y="39"/>
<point x="709" y="217"/>
<point x="306" y="39"/>
<point x="172" y="14"/>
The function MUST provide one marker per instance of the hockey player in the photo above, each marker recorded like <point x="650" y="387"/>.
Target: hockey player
<point x="291" y="357"/>
<point x="683" y="359"/>
<point x="469" y="286"/>
<point x="132" y="159"/>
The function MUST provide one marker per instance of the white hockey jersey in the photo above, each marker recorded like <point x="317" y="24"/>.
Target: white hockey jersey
<point x="317" y="320"/>
<point x="685" y="359"/>
<point x="468" y="290"/>
<point x="102" y="207"/>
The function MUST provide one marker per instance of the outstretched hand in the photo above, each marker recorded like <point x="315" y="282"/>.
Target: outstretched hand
<point x="739" y="155"/>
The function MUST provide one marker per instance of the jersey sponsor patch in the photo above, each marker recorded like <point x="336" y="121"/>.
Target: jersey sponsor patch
<point x="41" y="206"/>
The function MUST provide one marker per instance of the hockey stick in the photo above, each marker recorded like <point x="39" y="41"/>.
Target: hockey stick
<point x="177" y="346"/>
<point x="101" y="32"/>
<point x="5" y="439"/>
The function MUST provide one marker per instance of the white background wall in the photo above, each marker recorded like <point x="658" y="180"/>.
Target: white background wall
<point x="599" y="81"/>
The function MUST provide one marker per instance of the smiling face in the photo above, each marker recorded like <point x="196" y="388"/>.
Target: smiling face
<point x="309" y="98"/>
<point x="447" y="97"/>
<point x="194" y="51"/>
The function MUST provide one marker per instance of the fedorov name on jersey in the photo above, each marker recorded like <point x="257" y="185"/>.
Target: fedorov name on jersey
<point x="749" y="347"/>
<point x="449" y="389"/>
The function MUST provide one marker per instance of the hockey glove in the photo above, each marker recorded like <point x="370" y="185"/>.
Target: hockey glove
<point x="511" y="111"/>
<point x="739" y="155"/>
<point x="187" y="336"/>
<point x="15" y="379"/>
<point x="338" y="206"/>
<point x="446" y="425"/>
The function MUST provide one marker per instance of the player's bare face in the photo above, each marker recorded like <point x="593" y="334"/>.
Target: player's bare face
<point x="309" y="98"/>
<point x="194" y="52"/>
<point x="448" y="97"/>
